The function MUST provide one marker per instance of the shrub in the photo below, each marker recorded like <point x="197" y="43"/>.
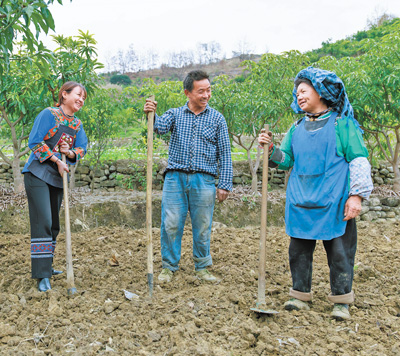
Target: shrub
<point x="120" y="79"/>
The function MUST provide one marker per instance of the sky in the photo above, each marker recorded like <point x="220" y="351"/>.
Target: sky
<point x="165" y="26"/>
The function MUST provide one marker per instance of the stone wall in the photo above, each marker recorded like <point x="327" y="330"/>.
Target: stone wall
<point x="381" y="209"/>
<point x="131" y="174"/>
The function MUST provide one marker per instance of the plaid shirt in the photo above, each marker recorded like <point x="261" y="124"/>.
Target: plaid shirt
<point x="199" y="143"/>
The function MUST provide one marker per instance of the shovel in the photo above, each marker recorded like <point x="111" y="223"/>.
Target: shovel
<point x="70" y="272"/>
<point x="149" y="184"/>
<point x="261" y="306"/>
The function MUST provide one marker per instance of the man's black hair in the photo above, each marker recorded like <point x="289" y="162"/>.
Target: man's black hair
<point x="193" y="76"/>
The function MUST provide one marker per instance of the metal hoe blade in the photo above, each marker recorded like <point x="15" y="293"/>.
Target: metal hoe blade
<point x="262" y="309"/>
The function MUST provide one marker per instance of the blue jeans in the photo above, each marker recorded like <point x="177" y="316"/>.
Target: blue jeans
<point x="183" y="192"/>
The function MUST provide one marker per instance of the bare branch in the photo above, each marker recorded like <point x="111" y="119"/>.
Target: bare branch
<point x="5" y="116"/>
<point x="24" y="152"/>
<point x="5" y="158"/>
<point x="19" y="119"/>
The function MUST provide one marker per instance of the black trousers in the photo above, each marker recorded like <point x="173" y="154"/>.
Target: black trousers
<point x="44" y="203"/>
<point x="340" y="252"/>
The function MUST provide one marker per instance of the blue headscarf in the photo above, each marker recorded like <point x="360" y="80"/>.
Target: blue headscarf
<point x="330" y="87"/>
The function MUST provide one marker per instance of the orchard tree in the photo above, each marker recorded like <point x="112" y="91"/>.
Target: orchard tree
<point x="102" y="119"/>
<point x="374" y="90"/>
<point x="372" y="83"/>
<point x="31" y="83"/>
<point x="264" y="97"/>
<point x="20" y="102"/>
<point x="75" y="59"/>
<point x="168" y="94"/>
<point x="19" y="18"/>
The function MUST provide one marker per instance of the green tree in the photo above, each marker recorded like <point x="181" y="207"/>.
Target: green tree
<point x="264" y="97"/>
<point x="168" y="94"/>
<point x="19" y="105"/>
<point x="75" y="59"/>
<point x="29" y="84"/>
<point x="102" y="119"/>
<point x="19" y="17"/>
<point x="375" y="94"/>
<point x="121" y="79"/>
<point x="354" y="45"/>
<point x="372" y="83"/>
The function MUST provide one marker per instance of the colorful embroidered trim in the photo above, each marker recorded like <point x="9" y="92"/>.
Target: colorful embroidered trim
<point x="52" y="132"/>
<point x="40" y="248"/>
<point x="42" y="152"/>
<point x="64" y="137"/>
<point x="74" y="123"/>
<point x="79" y="152"/>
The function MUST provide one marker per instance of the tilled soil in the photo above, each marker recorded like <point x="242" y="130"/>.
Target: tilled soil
<point x="188" y="316"/>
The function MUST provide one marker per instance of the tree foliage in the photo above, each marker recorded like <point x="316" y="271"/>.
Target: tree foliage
<point x="18" y="17"/>
<point x="121" y="79"/>
<point x="168" y="95"/>
<point x="74" y="59"/>
<point x="353" y="45"/>
<point x="372" y="82"/>
<point x="30" y="84"/>
<point x="102" y="119"/>
<point x="263" y="97"/>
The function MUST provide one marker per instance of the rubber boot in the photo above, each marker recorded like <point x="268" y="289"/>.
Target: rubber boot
<point x="44" y="284"/>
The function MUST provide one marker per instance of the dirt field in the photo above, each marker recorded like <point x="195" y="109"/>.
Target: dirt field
<point x="187" y="316"/>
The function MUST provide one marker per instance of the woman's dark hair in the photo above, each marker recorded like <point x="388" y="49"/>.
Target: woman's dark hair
<point x="68" y="87"/>
<point x="193" y="76"/>
<point x="298" y="81"/>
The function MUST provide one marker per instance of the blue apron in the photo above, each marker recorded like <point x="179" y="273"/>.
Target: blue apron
<point x="318" y="185"/>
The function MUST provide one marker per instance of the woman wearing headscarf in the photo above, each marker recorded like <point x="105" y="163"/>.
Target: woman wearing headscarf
<point x="330" y="177"/>
<point x="56" y="131"/>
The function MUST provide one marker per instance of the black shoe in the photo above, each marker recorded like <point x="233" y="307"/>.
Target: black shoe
<point x="54" y="272"/>
<point x="44" y="284"/>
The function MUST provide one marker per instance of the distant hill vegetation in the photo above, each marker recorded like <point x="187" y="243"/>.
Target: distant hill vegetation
<point x="230" y="67"/>
<point x="355" y="45"/>
<point x="351" y="46"/>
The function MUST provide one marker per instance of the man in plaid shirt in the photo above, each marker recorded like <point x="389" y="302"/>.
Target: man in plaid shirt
<point x="199" y="151"/>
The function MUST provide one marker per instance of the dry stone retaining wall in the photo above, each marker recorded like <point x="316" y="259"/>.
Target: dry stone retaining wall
<point x="131" y="174"/>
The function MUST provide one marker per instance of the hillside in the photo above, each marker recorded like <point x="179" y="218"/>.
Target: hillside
<point x="230" y="67"/>
<point x="352" y="45"/>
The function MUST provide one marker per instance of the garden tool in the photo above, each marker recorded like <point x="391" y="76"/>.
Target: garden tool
<point x="149" y="186"/>
<point x="261" y="306"/>
<point x="70" y="272"/>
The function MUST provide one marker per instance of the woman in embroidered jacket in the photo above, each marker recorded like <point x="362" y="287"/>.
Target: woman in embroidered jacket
<point x="330" y="177"/>
<point x="55" y="131"/>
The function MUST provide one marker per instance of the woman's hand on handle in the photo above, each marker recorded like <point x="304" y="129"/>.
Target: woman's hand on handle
<point x="64" y="148"/>
<point x="265" y="138"/>
<point x="62" y="167"/>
